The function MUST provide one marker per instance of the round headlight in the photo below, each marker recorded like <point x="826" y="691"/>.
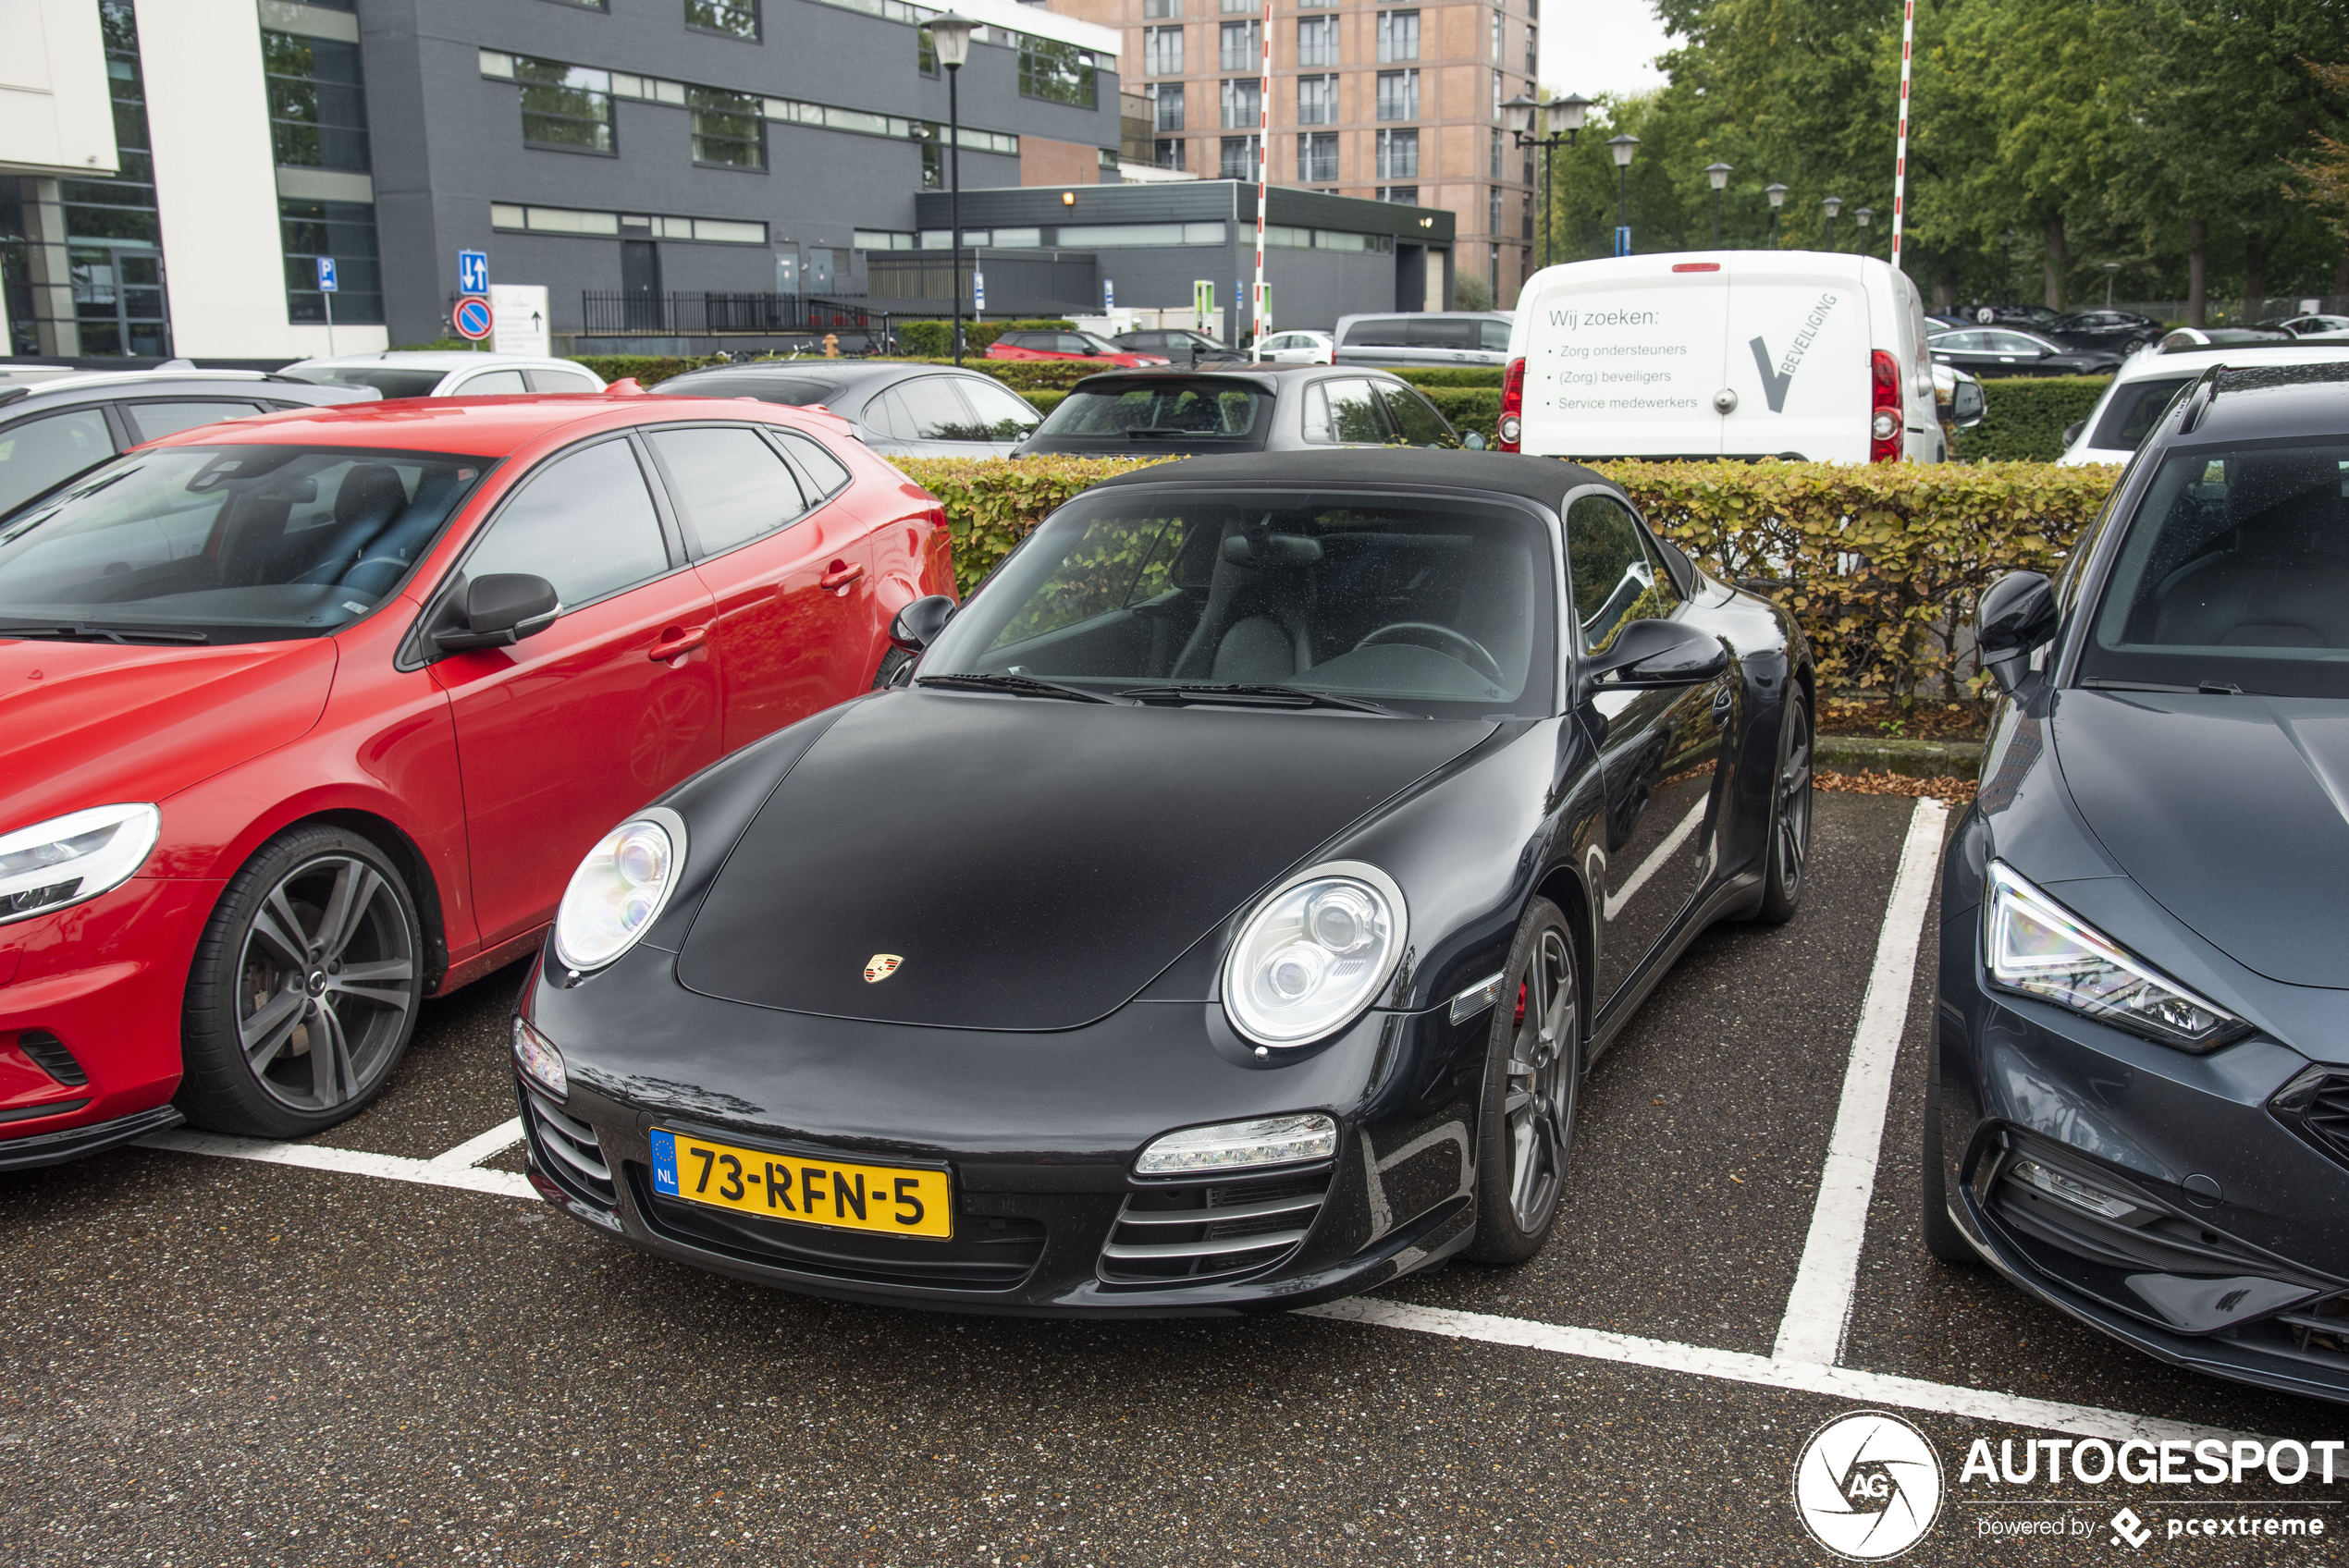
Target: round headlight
<point x="1313" y="954"/>
<point x="620" y="888"/>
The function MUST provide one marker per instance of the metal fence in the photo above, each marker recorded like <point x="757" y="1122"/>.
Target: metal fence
<point x="615" y="313"/>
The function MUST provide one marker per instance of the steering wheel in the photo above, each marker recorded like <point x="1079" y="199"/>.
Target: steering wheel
<point x="1442" y="640"/>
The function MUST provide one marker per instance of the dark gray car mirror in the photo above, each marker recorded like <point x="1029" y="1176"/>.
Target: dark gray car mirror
<point x="1967" y="405"/>
<point x="1655" y="653"/>
<point x="2017" y="614"/>
<point x="495" y="611"/>
<point x="917" y="625"/>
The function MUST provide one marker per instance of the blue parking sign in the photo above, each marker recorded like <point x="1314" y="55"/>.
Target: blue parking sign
<point x="473" y="271"/>
<point x="325" y="275"/>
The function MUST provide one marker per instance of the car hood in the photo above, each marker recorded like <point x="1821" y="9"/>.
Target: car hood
<point x="1032" y="864"/>
<point x="88" y="724"/>
<point x="2230" y="812"/>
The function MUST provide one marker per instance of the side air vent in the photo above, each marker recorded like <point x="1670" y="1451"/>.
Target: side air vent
<point x="50" y="1055"/>
<point x="1199" y="1235"/>
<point x="2316" y="1105"/>
<point x="568" y="1152"/>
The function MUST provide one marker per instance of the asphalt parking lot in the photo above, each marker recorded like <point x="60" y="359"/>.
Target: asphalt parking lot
<point x="319" y="1356"/>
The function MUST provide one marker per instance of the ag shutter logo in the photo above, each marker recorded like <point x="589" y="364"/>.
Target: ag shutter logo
<point x="1868" y="1486"/>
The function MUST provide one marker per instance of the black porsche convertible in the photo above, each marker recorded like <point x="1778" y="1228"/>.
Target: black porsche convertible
<point x="1221" y="914"/>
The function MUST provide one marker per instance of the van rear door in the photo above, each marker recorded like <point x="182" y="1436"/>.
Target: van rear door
<point x="1623" y="357"/>
<point x="1798" y="343"/>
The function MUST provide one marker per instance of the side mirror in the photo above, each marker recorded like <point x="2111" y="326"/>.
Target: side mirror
<point x="1655" y="653"/>
<point x="2072" y="432"/>
<point x="495" y="611"/>
<point x="2017" y="614"/>
<point x="1967" y="404"/>
<point x="917" y="625"/>
<point x="1473" y="441"/>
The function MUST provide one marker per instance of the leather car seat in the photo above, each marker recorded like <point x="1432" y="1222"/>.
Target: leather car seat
<point x="2283" y="582"/>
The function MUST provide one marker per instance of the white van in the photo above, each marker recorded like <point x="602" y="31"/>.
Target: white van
<point x="1801" y="354"/>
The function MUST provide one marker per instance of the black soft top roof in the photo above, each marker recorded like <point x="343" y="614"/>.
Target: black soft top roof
<point x="1546" y="480"/>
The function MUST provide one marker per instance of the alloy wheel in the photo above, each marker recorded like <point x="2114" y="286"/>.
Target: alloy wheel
<point x="325" y="984"/>
<point x="1794" y="845"/>
<point x="1537" y="1113"/>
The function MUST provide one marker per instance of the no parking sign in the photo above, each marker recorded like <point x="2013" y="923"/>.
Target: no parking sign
<point x="471" y="318"/>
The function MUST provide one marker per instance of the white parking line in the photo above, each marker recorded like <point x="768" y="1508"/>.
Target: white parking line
<point x="1820" y="1303"/>
<point x="1810" y="1337"/>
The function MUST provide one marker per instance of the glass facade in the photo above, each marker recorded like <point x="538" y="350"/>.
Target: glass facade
<point x="1061" y="73"/>
<point x="345" y="230"/>
<point x="114" y="255"/>
<point x="317" y="102"/>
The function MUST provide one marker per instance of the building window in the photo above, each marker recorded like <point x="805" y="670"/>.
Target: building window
<point x="729" y="129"/>
<point x="1497" y="37"/>
<point x="1317" y="156"/>
<point x="1398" y="96"/>
<point x="1493" y="210"/>
<point x="1317" y="100"/>
<point x="1525" y="173"/>
<point x="1314" y="5"/>
<point x="925" y="52"/>
<point x="1317" y="40"/>
<point x="1240" y="158"/>
<point x="1169" y="96"/>
<point x="1242" y="103"/>
<point x="1167" y="154"/>
<point x="933" y="166"/>
<point x="1242" y="8"/>
<point x="345" y="230"/>
<point x="565" y="107"/>
<point x="115" y="264"/>
<point x="1162" y="51"/>
<point x="1241" y="46"/>
<point x="1061" y="73"/>
<point x="1155" y="11"/>
<point x="1406" y="194"/>
<point x="1498" y="89"/>
<point x="317" y="107"/>
<point x="1399" y="36"/>
<point x="1532" y="48"/>
<point x="1496" y="153"/>
<point x="1398" y="154"/>
<point x="735" y="18"/>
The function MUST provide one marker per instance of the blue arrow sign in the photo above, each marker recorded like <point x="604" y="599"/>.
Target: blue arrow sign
<point x="473" y="271"/>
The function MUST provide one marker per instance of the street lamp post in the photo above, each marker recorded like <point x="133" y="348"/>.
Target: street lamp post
<point x="2006" y="264"/>
<point x="1833" y="205"/>
<point x="2111" y="269"/>
<point x="1776" y="193"/>
<point x="1863" y="215"/>
<point x="1623" y="146"/>
<point x="950" y="36"/>
<point x="1719" y="175"/>
<point x="1561" y="124"/>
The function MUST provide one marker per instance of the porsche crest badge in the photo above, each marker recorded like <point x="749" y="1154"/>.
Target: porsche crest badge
<point x="882" y="966"/>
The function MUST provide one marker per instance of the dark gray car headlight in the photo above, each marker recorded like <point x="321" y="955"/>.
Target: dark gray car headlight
<point x="1313" y="953"/>
<point x="2033" y="946"/>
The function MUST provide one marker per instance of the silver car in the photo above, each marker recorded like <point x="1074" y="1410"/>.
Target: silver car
<point x="1256" y="409"/>
<point x="1425" y="339"/>
<point x="443" y="373"/>
<point x="900" y="411"/>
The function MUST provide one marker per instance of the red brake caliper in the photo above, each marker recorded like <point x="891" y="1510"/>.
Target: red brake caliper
<point x="1520" y="1004"/>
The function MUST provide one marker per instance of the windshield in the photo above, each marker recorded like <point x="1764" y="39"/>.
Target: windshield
<point x="790" y="390"/>
<point x="389" y="381"/>
<point x="2135" y="408"/>
<point x="1223" y="413"/>
<point x="2234" y="573"/>
<point x="237" y="543"/>
<point x="1433" y="607"/>
<point x="1099" y="345"/>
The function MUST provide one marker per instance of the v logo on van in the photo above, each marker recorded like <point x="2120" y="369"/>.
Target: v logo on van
<point x="1774" y="384"/>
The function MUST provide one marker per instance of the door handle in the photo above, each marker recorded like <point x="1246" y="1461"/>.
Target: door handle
<point x="677" y="642"/>
<point x="1723" y="700"/>
<point x="840" y="576"/>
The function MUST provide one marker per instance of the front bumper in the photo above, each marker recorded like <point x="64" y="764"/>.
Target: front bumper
<point x="1040" y="1134"/>
<point x="90" y="1006"/>
<point x="2199" y="1227"/>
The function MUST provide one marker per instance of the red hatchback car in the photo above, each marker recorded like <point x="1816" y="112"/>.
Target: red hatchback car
<point x="308" y="717"/>
<point x="1068" y="345"/>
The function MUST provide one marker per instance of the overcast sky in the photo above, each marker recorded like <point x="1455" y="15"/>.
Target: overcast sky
<point x="1594" y="46"/>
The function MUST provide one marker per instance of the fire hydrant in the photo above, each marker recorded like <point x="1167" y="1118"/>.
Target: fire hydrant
<point x="831" y="345"/>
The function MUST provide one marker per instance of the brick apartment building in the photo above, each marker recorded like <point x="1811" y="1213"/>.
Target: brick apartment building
<point x="1395" y="102"/>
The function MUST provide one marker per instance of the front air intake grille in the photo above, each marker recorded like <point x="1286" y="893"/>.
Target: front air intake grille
<point x="2316" y="1334"/>
<point x="1177" y="1236"/>
<point x="987" y="1252"/>
<point x="567" y="1151"/>
<point x="2316" y="1105"/>
<point x="49" y="1053"/>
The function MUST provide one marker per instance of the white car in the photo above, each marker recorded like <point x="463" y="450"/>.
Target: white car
<point x="1299" y="349"/>
<point x="451" y="373"/>
<point x="1803" y="354"/>
<point x="2147" y="382"/>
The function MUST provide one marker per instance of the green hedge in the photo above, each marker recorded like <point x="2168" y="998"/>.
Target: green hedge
<point x="1487" y="375"/>
<point x="1881" y="564"/>
<point x="2026" y="416"/>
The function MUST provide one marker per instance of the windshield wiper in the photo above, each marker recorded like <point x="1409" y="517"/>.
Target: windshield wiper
<point x="2207" y="688"/>
<point x="1254" y="696"/>
<point x="84" y="632"/>
<point x="1141" y="432"/>
<point x="1016" y="685"/>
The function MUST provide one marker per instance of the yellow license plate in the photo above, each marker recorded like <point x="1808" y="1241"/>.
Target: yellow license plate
<point x="887" y="1198"/>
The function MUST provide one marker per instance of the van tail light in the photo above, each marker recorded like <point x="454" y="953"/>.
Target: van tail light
<point x="1512" y="425"/>
<point x="1884" y="412"/>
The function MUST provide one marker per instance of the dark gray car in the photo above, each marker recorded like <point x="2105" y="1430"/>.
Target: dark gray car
<point x="1183" y="346"/>
<point x="900" y="411"/>
<point x="1260" y="409"/>
<point x="55" y="428"/>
